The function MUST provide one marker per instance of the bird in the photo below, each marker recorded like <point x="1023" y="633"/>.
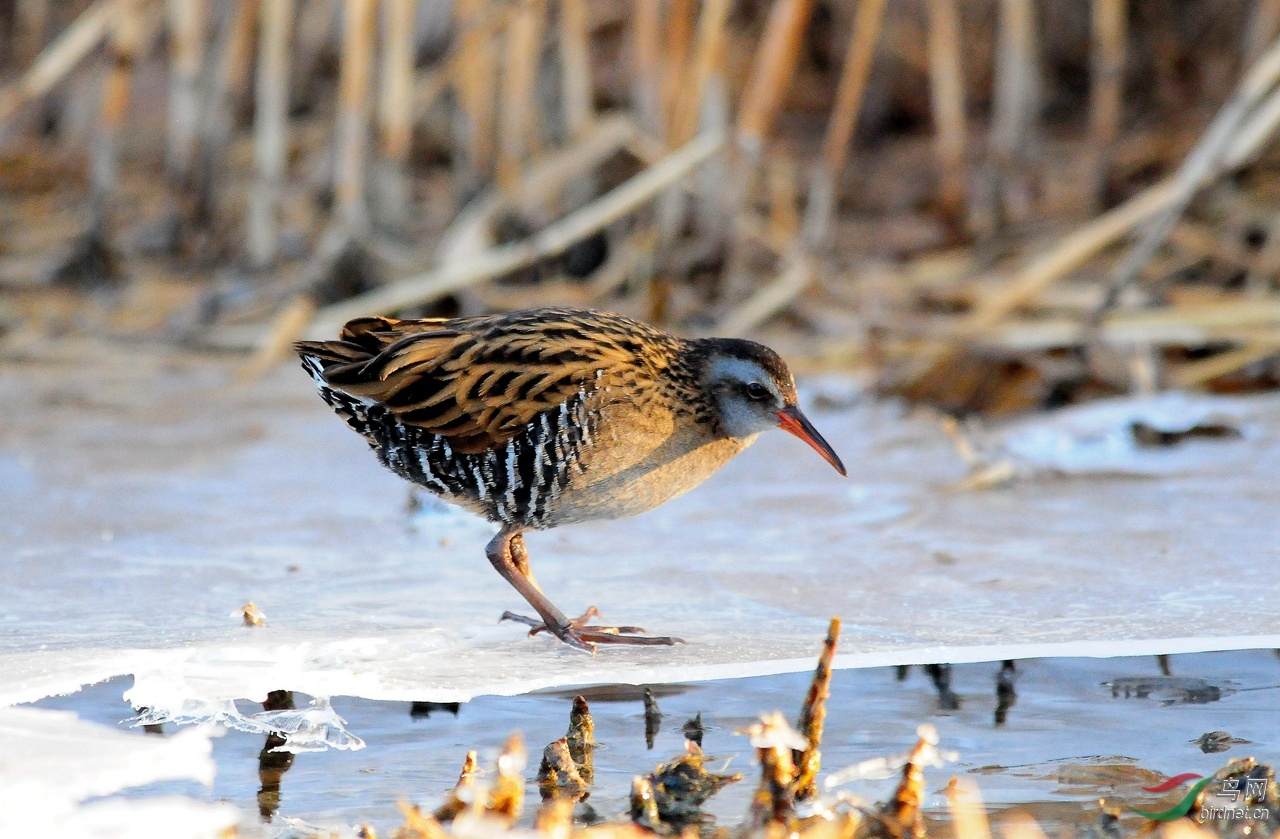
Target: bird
<point x="545" y="417"/>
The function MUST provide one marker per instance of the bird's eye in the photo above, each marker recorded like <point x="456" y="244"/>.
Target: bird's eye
<point x="757" y="391"/>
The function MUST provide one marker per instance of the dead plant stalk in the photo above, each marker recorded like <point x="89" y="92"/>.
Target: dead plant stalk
<point x="503" y="259"/>
<point x="352" y="133"/>
<point x="575" y="60"/>
<point x="186" y="19"/>
<point x="516" y="139"/>
<point x="270" y="126"/>
<point x="947" y="100"/>
<point x="60" y="57"/>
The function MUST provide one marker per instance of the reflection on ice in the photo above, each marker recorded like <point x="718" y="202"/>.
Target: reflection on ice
<point x="1114" y="435"/>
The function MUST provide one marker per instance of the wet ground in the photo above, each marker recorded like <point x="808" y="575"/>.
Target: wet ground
<point x="1077" y="730"/>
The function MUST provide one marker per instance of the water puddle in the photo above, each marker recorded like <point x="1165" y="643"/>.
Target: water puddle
<point x="1072" y="731"/>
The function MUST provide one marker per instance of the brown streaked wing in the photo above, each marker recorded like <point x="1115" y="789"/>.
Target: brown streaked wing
<point x="478" y="381"/>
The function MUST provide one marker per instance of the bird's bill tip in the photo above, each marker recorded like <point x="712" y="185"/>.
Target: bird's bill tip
<point x="793" y="421"/>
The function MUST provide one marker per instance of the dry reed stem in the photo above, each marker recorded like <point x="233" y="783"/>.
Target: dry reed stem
<point x="238" y="60"/>
<point x="1020" y="826"/>
<point x="352" y="133"/>
<point x="270" y="128"/>
<point x="632" y="260"/>
<point x="186" y="20"/>
<point x="769" y="299"/>
<point x="462" y="792"/>
<point x="783" y="183"/>
<point x="1106" y="83"/>
<point x="575" y="63"/>
<point x="542" y="182"/>
<point x="644" y="805"/>
<point x="1069" y="254"/>
<point x="475" y="80"/>
<point x="127" y="35"/>
<point x="506" y="796"/>
<point x="775" y="743"/>
<point x="964" y="802"/>
<point x="1254" y="132"/>
<point x="1017" y="79"/>
<point x="1185" y="326"/>
<point x="396" y="80"/>
<point x="428" y="86"/>
<point x="605" y="210"/>
<point x="555" y="818"/>
<point x="417" y="825"/>
<point x="844" y="120"/>
<point x="853" y="85"/>
<point x="392" y="189"/>
<point x="1207" y="159"/>
<point x="31" y="21"/>
<point x="558" y="776"/>
<point x="60" y="57"/>
<point x="813" y="715"/>
<point x="679" y="41"/>
<point x="285" y="328"/>
<point x="903" y="813"/>
<point x="647" y="61"/>
<point x="707" y="56"/>
<point x="946" y="85"/>
<point x="233" y="49"/>
<point x="581" y="739"/>
<point x="1266" y="264"/>
<point x="519" y="90"/>
<point x="1183" y="829"/>
<point x="1261" y="29"/>
<point x="313" y="32"/>
<point x="772" y="72"/>
<point x="1087" y="241"/>
<point x="1197" y="373"/>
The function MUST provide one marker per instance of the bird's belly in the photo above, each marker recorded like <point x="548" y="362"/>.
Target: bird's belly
<point x="645" y="474"/>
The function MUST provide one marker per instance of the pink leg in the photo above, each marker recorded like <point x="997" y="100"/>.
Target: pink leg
<point x="508" y="555"/>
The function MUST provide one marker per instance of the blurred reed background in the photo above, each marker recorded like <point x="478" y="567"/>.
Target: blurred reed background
<point x="989" y="205"/>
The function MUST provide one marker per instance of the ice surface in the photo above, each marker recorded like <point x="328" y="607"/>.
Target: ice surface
<point x="1098" y="438"/>
<point x="52" y="763"/>
<point x="310" y="729"/>
<point x="143" y="500"/>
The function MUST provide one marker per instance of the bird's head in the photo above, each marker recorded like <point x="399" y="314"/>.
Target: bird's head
<point x="752" y="391"/>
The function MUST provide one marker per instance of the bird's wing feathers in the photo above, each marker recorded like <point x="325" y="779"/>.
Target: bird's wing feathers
<point x="478" y="381"/>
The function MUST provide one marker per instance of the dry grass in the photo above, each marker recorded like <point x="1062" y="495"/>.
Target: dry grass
<point x="913" y="190"/>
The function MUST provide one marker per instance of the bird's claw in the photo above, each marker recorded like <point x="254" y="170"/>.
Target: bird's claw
<point x="577" y="633"/>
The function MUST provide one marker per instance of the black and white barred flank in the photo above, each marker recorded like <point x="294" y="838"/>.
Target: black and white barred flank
<point x="518" y="483"/>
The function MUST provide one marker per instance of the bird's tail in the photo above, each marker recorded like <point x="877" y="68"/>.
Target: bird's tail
<point x="321" y="356"/>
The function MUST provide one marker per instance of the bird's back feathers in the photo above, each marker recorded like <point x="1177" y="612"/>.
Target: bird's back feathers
<point x="477" y="382"/>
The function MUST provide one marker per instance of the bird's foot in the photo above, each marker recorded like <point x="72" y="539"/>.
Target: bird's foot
<point x="577" y="633"/>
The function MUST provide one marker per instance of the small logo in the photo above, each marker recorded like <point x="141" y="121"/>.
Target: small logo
<point x="1180" y="809"/>
<point x="1176" y="780"/>
<point x="1253" y="789"/>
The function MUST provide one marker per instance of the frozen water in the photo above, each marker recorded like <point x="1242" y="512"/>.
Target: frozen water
<point x="1080" y="729"/>
<point x="53" y="763"/>
<point x="310" y="729"/>
<point x="1098" y="438"/>
<point x="142" y="500"/>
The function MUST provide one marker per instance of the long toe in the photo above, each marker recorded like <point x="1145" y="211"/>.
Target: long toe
<point x="583" y="637"/>
<point x="603" y="635"/>
<point x="537" y="623"/>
